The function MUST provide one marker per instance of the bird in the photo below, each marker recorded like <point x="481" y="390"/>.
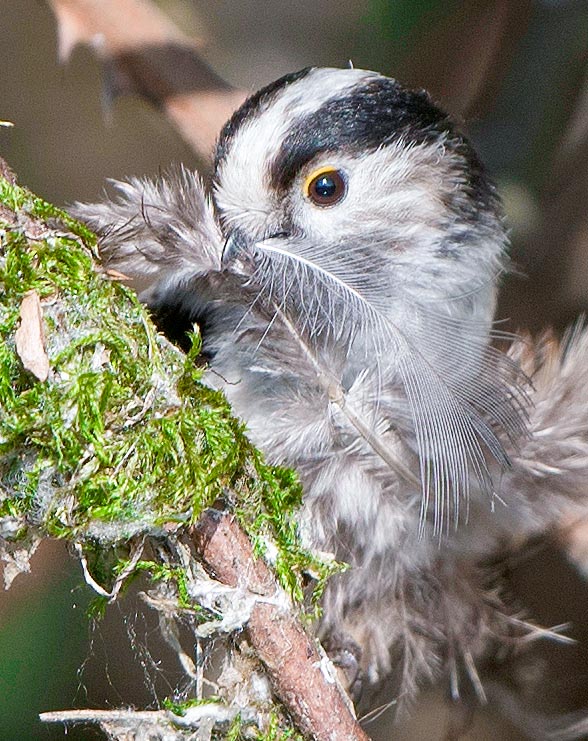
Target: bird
<point x="342" y="266"/>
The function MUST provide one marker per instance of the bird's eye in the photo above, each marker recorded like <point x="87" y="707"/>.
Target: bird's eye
<point x="325" y="187"/>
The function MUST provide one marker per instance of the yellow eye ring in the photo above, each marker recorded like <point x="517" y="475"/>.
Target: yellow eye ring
<point x="325" y="186"/>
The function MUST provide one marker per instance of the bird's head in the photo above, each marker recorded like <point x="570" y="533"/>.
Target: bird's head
<point x="368" y="226"/>
<point x="362" y="238"/>
<point x="348" y="171"/>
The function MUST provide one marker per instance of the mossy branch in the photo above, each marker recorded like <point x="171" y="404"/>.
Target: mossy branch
<point x="109" y="440"/>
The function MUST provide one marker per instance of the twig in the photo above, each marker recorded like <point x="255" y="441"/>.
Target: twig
<point x="100" y="716"/>
<point x="191" y="718"/>
<point x="137" y="552"/>
<point x="145" y="53"/>
<point x="301" y="677"/>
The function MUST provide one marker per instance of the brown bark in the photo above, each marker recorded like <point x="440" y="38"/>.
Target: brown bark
<point x="312" y="696"/>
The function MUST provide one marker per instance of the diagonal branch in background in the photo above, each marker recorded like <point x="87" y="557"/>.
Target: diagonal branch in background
<point x="144" y="53"/>
<point x="301" y="677"/>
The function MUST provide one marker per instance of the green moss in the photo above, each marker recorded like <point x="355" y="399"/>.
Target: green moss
<point x="277" y="730"/>
<point x="21" y="200"/>
<point x="277" y="727"/>
<point x="164" y="572"/>
<point x="123" y="436"/>
<point x="180" y="708"/>
<point x="97" y="607"/>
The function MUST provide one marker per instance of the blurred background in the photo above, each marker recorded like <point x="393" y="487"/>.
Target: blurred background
<point x="514" y="73"/>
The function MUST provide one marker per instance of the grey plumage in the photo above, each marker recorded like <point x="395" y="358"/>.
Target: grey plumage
<point x="355" y="342"/>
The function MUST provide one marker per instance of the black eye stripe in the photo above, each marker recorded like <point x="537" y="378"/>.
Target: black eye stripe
<point x="374" y="115"/>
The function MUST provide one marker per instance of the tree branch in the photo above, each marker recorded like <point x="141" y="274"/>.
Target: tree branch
<point x="144" y="53"/>
<point x="301" y="677"/>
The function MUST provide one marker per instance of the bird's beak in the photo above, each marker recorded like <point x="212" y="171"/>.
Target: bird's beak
<point x="236" y="246"/>
<point x="241" y="252"/>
